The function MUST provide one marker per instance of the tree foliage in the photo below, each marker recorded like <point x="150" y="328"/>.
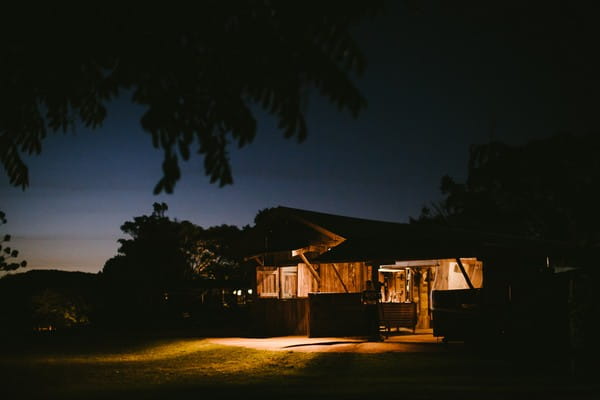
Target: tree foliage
<point x="162" y="253"/>
<point x="55" y="309"/>
<point x="198" y="71"/>
<point x="8" y="255"/>
<point x="545" y="189"/>
<point x="219" y="256"/>
<point x="154" y="255"/>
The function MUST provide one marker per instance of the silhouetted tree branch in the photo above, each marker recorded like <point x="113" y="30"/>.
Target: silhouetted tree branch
<point x="197" y="70"/>
<point x="8" y="255"/>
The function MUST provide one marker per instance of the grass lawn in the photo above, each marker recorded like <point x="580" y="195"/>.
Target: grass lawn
<point x="118" y="367"/>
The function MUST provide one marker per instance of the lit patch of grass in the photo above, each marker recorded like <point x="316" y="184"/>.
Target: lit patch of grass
<point x="164" y="363"/>
<point x="154" y="352"/>
<point x="173" y="368"/>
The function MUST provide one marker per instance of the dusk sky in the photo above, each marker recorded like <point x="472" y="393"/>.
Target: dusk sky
<point x="435" y="82"/>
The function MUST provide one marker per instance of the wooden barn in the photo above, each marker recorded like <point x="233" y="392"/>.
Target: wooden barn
<point x="322" y="275"/>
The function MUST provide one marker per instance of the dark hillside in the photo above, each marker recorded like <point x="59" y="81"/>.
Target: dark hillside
<point x="46" y="300"/>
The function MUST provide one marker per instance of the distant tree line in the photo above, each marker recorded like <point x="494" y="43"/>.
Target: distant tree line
<point x="47" y="300"/>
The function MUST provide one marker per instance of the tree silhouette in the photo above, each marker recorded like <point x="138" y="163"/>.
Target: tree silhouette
<point x="162" y="253"/>
<point x="8" y="254"/>
<point x="156" y="253"/>
<point x="198" y="71"/>
<point x="545" y="189"/>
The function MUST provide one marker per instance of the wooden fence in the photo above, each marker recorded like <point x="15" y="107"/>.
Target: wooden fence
<point x="280" y="317"/>
<point x="337" y="314"/>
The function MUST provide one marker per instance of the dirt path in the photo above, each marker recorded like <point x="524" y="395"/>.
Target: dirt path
<point x="422" y="341"/>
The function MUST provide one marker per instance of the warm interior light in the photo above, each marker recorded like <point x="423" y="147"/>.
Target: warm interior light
<point x="391" y="269"/>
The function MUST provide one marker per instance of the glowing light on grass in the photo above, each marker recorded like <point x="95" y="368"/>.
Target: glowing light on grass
<point x="182" y="360"/>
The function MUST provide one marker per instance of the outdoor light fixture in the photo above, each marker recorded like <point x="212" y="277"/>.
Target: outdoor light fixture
<point x="249" y="291"/>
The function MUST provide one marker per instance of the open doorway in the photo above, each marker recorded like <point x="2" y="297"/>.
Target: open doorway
<point x="407" y="288"/>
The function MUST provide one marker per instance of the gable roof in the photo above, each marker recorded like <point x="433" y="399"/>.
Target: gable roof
<point x="373" y="240"/>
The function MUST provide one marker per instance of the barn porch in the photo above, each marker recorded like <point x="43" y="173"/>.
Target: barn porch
<point x="290" y="301"/>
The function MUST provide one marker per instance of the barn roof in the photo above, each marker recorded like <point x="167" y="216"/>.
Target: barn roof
<point x="369" y="240"/>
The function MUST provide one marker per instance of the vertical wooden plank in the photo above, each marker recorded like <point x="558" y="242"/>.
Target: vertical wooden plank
<point x="352" y="272"/>
<point x="306" y="282"/>
<point x="423" y="304"/>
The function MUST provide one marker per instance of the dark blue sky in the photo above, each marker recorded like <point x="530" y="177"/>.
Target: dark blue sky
<point x="435" y="81"/>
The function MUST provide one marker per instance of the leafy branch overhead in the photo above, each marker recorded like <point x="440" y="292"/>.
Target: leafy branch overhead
<point x="198" y="72"/>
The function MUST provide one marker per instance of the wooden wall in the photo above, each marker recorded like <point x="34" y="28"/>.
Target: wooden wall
<point x="306" y="282"/>
<point x="353" y="275"/>
<point x="271" y="282"/>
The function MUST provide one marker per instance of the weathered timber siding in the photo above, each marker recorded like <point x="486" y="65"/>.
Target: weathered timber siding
<point x="336" y="314"/>
<point x="306" y="282"/>
<point x="353" y="274"/>
<point x="275" y="317"/>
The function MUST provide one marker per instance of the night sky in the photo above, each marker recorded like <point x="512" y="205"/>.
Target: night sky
<point x="438" y="79"/>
